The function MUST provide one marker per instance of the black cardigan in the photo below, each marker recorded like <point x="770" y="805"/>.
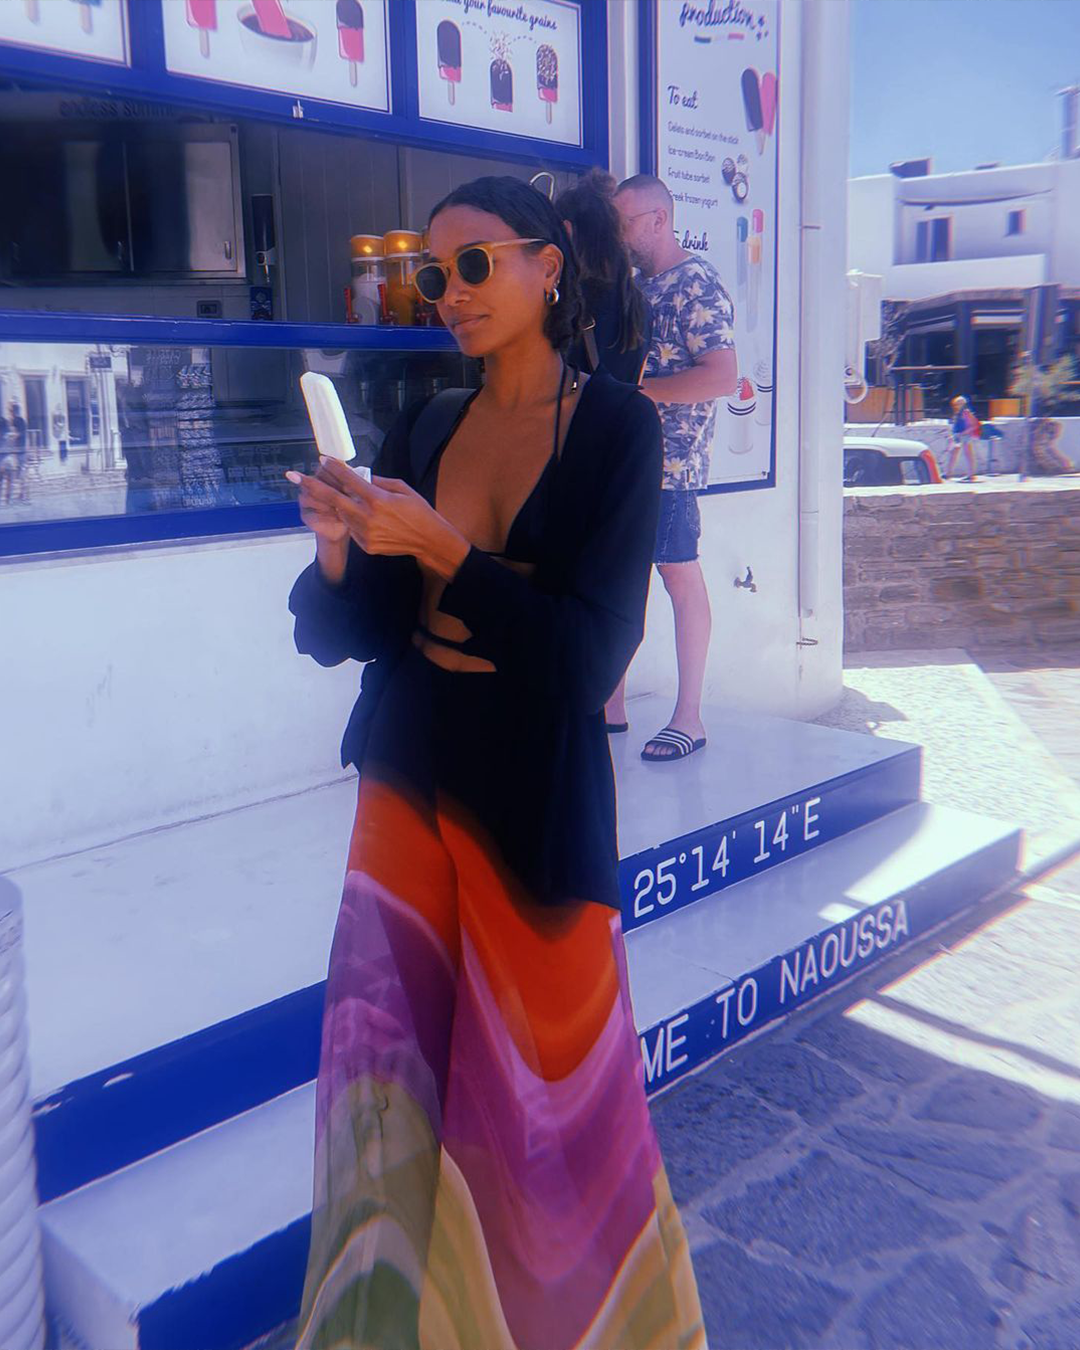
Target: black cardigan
<point x="565" y="636"/>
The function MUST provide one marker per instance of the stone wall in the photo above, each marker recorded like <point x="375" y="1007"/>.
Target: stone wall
<point x="980" y="566"/>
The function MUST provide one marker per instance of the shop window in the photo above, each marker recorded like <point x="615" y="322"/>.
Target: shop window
<point x="152" y="431"/>
<point x="1016" y="223"/>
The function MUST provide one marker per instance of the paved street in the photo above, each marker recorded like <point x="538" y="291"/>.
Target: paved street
<point x="902" y="1169"/>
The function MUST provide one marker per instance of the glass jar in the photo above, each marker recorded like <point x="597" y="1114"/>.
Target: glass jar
<point x="368" y="275"/>
<point x="401" y="250"/>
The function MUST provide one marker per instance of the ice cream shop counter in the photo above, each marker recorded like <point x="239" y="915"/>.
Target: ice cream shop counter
<point x="203" y="199"/>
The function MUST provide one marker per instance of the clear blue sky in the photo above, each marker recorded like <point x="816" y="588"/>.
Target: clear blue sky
<point x="966" y="81"/>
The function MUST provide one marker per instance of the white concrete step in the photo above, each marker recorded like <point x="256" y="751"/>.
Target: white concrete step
<point x="200" y="1247"/>
<point x="204" y="1244"/>
<point x="717" y="971"/>
<point x="192" y="958"/>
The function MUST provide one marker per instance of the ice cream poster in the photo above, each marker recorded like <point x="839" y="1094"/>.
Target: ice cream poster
<point x="327" y="49"/>
<point x="96" y="29"/>
<point x="717" y="102"/>
<point x="502" y="65"/>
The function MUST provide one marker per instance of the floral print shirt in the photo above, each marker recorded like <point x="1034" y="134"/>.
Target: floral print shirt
<point x="692" y="314"/>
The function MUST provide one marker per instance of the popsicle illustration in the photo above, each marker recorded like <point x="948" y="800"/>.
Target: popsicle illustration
<point x="547" y="77"/>
<point x="33" y="10"/>
<point x="271" y="18"/>
<point x="753" y="259"/>
<point x="86" y="13"/>
<point x="350" y="22"/>
<point x="768" y="102"/>
<point x="751" y="97"/>
<point x="332" y="434"/>
<point x="502" y="85"/>
<point x="448" y="38"/>
<point x="202" y="14"/>
<point x="741" y="410"/>
<point x="742" y="233"/>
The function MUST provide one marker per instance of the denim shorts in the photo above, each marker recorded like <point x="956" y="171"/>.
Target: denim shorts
<point x="679" y="529"/>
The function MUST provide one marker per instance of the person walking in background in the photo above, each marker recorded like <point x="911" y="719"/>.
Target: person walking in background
<point x="486" y="1170"/>
<point x="621" y="322"/>
<point x="7" y="462"/>
<point x="965" y="431"/>
<point x="17" y="447"/>
<point x="691" y="364"/>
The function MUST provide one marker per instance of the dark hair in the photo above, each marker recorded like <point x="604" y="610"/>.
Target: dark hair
<point x="589" y="206"/>
<point x="531" y="216"/>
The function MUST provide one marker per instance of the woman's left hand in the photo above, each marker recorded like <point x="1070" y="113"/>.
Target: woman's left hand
<point x="387" y="517"/>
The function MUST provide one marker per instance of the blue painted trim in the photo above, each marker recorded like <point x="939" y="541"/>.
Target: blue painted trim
<point x="647" y="147"/>
<point x="17" y="325"/>
<point x="90" y="1129"/>
<point x="241" y="1299"/>
<point x="60" y="536"/>
<point x="147" y="78"/>
<point x="677" y="1046"/>
<point x="839" y="805"/>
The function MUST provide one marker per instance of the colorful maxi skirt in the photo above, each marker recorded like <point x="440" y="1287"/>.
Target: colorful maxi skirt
<point x="486" y="1172"/>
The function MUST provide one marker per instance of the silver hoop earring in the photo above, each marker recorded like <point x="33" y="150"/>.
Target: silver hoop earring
<point x="552" y="297"/>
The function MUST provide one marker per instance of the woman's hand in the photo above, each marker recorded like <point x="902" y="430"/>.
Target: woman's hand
<point x="386" y="517"/>
<point x="318" y="512"/>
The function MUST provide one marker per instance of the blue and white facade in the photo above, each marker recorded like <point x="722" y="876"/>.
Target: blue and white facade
<point x="172" y="791"/>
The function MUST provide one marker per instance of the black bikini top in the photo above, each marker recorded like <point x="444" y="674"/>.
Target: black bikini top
<point x="523" y="539"/>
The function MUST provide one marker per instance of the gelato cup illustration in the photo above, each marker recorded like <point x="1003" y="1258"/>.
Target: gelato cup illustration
<point x="741" y="407"/>
<point x="296" y="51"/>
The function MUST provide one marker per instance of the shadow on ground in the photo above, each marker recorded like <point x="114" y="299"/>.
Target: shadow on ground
<point x="900" y="1168"/>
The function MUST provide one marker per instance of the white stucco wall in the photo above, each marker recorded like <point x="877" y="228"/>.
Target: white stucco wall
<point x="151" y="684"/>
<point x="789" y="536"/>
<point x="871" y="204"/>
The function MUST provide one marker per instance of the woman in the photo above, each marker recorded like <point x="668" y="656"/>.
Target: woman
<point x="486" y="1174"/>
<point x="965" y="432"/>
<point x="618" y="341"/>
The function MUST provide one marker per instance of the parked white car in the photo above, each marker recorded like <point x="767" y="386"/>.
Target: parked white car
<point x="887" y="461"/>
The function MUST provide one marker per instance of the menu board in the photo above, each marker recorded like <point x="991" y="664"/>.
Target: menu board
<point x="717" y="96"/>
<point x="94" y="29"/>
<point x="327" y="49"/>
<point x="512" y="66"/>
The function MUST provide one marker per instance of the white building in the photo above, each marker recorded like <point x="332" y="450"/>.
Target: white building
<point x="975" y="266"/>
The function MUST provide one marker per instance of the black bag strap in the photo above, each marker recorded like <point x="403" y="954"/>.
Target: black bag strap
<point x="434" y="424"/>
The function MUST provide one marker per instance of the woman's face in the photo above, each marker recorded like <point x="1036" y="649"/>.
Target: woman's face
<point x="511" y="303"/>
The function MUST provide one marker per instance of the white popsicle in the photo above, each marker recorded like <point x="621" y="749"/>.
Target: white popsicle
<point x="332" y="434"/>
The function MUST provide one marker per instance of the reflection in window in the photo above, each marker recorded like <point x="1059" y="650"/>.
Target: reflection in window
<point x="128" y="430"/>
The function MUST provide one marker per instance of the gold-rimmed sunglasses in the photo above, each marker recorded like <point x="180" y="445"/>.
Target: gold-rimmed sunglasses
<point x="474" y="264"/>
